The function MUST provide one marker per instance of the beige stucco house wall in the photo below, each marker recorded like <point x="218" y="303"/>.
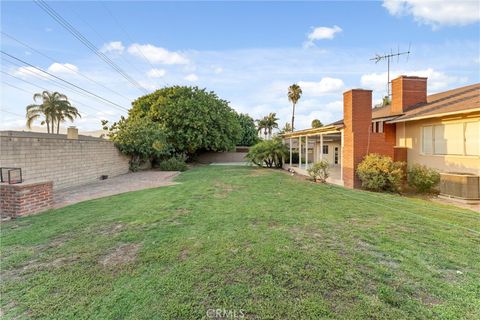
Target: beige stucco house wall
<point x="409" y="134"/>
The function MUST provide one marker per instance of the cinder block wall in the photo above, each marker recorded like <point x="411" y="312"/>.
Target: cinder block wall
<point x="49" y="157"/>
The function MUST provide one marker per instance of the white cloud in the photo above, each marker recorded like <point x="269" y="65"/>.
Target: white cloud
<point x="323" y="33"/>
<point x="436" y="13"/>
<point x="26" y="72"/>
<point x="191" y="77"/>
<point x="437" y="80"/>
<point x="156" y="73"/>
<point x="157" y="54"/>
<point x="324" y="86"/>
<point x="64" y="68"/>
<point x="115" y="47"/>
<point x="218" y="70"/>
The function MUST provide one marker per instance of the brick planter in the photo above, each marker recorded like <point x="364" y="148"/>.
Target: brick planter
<point x="25" y="198"/>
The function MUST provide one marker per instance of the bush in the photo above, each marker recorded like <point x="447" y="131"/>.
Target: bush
<point x="173" y="164"/>
<point x="319" y="171"/>
<point x="380" y="173"/>
<point x="143" y="140"/>
<point x="268" y="152"/>
<point x="422" y="178"/>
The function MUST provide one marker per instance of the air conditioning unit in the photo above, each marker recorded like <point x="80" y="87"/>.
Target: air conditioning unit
<point x="460" y="185"/>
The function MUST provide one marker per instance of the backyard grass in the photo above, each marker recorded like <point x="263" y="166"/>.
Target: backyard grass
<point x="256" y="242"/>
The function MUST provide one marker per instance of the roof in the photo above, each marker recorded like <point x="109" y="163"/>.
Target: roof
<point x="460" y="100"/>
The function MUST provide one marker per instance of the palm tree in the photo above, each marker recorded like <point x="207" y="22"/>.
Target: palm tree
<point x="262" y="125"/>
<point x="55" y="108"/>
<point x="286" y="128"/>
<point x="271" y="122"/>
<point x="66" y="111"/>
<point x="294" y="94"/>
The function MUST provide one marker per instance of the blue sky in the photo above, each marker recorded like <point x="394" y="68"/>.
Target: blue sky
<point x="247" y="52"/>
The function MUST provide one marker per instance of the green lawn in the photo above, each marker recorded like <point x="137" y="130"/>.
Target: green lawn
<point x="253" y="241"/>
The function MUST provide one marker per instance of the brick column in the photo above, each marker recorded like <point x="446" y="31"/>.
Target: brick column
<point x="357" y="118"/>
<point x="25" y="198"/>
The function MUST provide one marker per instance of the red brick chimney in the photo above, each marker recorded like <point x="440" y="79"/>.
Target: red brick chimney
<point x="408" y="92"/>
<point x="357" y="117"/>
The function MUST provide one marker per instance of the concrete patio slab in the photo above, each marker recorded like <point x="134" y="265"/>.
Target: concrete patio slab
<point x="120" y="184"/>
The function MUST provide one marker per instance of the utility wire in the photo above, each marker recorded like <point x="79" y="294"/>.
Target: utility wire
<point x="51" y="81"/>
<point x="127" y="34"/>
<point x="106" y="41"/>
<point x="12" y="113"/>
<point x="64" y="23"/>
<point x="75" y="101"/>
<point x="66" y="66"/>
<point x="63" y="80"/>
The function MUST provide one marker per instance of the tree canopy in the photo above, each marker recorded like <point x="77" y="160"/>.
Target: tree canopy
<point x="317" y="123"/>
<point x="192" y="119"/>
<point x="248" y="136"/>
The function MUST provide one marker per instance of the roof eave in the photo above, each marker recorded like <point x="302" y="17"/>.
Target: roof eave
<point x="434" y="115"/>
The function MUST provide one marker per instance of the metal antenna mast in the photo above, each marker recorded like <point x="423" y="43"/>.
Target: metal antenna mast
<point x="388" y="57"/>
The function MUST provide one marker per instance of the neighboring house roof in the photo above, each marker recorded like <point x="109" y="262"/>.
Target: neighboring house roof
<point x="460" y="100"/>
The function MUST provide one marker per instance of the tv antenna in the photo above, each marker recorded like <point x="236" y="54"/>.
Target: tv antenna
<point x="388" y="58"/>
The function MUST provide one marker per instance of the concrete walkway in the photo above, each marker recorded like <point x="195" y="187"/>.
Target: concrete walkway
<point x="120" y="184"/>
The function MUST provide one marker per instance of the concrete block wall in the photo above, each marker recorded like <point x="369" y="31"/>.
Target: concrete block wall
<point x="49" y="157"/>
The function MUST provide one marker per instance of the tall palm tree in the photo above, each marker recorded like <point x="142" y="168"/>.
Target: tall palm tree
<point x="271" y="122"/>
<point x="55" y="108"/>
<point x="294" y="94"/>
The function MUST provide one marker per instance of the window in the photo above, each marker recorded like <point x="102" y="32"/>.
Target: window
<point x="472" y="138"/>
<point x="448" y="138"/>
<point x="325" y="149"/>
<point x="452" y="139"/>
<point x="427" y="140"/>
<point x="377" y="126"/>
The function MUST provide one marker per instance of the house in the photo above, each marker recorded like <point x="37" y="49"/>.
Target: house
<point x="441" y="131"/>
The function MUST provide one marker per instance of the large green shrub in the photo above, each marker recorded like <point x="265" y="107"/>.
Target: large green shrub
<point x="142" y="139"/>
<point x="319" y="171"/>
<point x="380" y="173"/>
<point x="422" y="178"/>
<point x="193" y="119"/>
<point x="176" y="163"/>
<point x="248" y="135"/>
<point x="270" y="153"/>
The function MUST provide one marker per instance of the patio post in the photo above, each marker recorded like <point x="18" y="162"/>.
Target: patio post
<point x="306" y="152"/>
<point x="290" y="152"/>
<point x="299" y="152"/>
<point x="341" y="155"/>
<point x="321" y="146"/>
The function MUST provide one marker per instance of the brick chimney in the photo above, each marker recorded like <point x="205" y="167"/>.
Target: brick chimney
<point x="408" y="92"/>
<point x="357" y="118"/>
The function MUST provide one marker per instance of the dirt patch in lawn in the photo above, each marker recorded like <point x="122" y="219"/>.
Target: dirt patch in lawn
<point x="222" y="189"/>
<point x="111" y="229"/>
<point x="183" y="254"/>
<point x="123" y="254"/>
<point x="259" y="172"/>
